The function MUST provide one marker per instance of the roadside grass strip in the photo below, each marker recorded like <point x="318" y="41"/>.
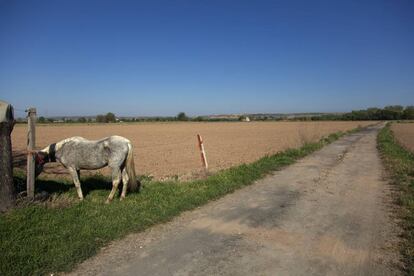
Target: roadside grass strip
<point x="55" y="235"/>
<point x="399" y="164"/>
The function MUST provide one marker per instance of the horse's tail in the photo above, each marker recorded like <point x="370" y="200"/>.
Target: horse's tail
<point x="133" y="183"/>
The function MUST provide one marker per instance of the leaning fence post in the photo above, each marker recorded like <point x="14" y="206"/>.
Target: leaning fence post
<point x="202" y="152"/>
<point x="31" y="144"/>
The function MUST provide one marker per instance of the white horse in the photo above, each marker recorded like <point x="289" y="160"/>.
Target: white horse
<point x="78" y="153"/>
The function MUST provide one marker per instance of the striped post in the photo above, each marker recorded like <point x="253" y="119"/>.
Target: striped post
<point x="202" y="152"/>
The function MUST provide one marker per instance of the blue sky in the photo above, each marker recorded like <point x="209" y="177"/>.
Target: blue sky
<point x="205" y="57"/>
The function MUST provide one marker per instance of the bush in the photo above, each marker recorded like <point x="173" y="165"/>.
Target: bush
<point x="182" y="117"/>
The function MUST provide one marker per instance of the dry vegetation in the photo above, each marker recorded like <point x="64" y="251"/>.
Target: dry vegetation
<point x="399" y="163"/>
<point x="170" y="149"/>
<point x="404" y="132"/>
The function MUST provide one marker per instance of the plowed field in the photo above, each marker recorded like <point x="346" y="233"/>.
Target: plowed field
<point x="170" y="149"/>
<point x="405" y="134"/>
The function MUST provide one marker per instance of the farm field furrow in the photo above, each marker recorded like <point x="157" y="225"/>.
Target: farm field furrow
<point x="404" y="132"/>
<point x="165" y="150"/>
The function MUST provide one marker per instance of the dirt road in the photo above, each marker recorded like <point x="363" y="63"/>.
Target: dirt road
<point x="328" y="214"/>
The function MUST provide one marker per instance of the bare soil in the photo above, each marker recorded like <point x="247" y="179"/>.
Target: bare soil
<point x="404" y="133"/>
<point x="328" y="214"/>
<point x="166" y="150"/>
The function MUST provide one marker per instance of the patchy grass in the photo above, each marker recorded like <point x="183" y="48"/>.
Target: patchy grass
<point x="56" y="234"/>
<point x="399" y="163"/>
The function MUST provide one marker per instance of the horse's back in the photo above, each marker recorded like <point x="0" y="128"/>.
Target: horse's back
<point x="80" y="140"/>
<point x="118" y="139"/>
<point x="89" y="154"/>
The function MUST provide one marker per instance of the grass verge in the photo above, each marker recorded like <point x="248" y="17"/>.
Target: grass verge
<point x="399" y="164"/>
<point x="43" y="238"/>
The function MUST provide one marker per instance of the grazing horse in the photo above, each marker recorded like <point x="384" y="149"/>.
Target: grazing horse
<point x="78" y="153"/>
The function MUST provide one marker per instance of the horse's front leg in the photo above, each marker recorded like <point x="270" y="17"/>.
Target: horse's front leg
<point x="75" y="175"/>
<point x="116" y="179"/>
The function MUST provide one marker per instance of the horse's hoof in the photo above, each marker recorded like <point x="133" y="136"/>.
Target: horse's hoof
<point x="121" y="198"/>
<point x="107" y="201"/>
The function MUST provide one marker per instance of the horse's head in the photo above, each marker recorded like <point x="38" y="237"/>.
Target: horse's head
<point x="41" y="158"/>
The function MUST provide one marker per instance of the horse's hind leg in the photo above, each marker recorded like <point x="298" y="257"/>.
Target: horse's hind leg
<point x="116" y="178"/>
<point x="125" y="180"/>
<point x="75" y="175"/>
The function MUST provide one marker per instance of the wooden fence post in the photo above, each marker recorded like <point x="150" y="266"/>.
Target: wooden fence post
<point x="31" y="144"/>
<point x="7" y="191"/>
<point x="202" y="152"/>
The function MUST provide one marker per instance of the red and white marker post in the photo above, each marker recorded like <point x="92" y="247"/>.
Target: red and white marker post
<point x="202" y="152"/>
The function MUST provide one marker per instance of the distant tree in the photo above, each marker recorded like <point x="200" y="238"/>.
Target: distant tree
<point x="182" y="117"/>
<point x="100" y="119"/>
<point x="199" y="119"/>
<point x="396" y="108"/>
<point x="393" y="112"/>
<point x="374" y="113"/>
<point x="41" y="119"/>
<point x="389" y="114"/>
<point x="110" y="117"/>
<point x="82" y="120"/>
<point x="408" y="112"/>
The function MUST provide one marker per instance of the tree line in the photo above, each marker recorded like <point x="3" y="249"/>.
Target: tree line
<point x="390" y="112"/>
<point x="112" y="118"/>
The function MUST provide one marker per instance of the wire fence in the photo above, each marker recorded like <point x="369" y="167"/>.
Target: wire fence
<point x="20" y="111"/>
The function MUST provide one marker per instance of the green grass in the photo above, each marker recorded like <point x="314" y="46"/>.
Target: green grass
<point x="399" y="163"/>
<point x="41" y="238"/>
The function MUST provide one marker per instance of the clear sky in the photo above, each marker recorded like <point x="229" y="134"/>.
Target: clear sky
<point x="136" y="58"/>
